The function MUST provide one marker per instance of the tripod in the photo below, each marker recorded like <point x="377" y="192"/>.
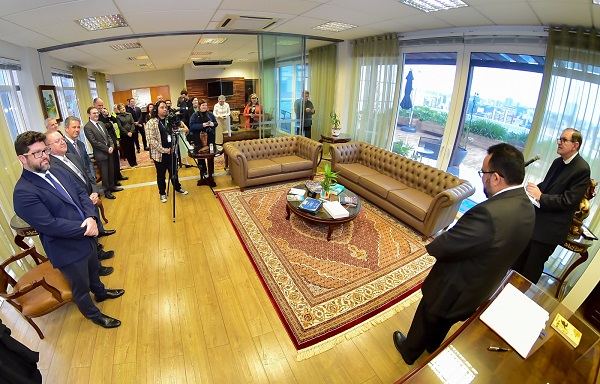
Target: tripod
<point x="174" y="171"/>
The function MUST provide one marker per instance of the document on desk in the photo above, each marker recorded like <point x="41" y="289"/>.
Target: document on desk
<point x="516" y="318"/>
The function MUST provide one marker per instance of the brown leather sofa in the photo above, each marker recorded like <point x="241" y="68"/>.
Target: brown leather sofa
<point x="263" y="161"/>
<point x="421" y="196"/>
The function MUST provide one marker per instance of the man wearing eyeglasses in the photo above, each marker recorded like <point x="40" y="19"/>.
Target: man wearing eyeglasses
<point x="472" y="257"/>
<point x="559" y="196"/>
<point x="63" y="214"/>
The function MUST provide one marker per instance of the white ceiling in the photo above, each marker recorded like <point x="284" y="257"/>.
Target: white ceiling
<point x="42" y="24"/>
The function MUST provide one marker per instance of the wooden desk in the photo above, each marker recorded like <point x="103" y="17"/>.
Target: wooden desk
<point x="551" y="360"/>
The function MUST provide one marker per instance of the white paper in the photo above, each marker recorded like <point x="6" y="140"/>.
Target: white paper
<point x="516" y="318"/>
<point x="335" y="209"/>
<point x="297" y="191"/>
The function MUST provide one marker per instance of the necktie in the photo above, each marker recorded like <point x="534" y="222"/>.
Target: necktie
<point x="76" y="147"/>
<point x="64" y="193"/>
<point x="73" y="168"/>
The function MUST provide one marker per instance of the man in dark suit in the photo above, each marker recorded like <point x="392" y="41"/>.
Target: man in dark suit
<point x="64" y="216"/>
<point x="559" y="196"/>
<point x="103" y="148"/>
<point x="472" y="257"/>
<point x="72" y="165"/>
<point x="77" y="148"/>
<point x="108" y="120"/>
<point x="136" y="113"/>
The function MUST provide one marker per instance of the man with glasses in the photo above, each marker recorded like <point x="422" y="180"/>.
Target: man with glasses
<point x="64" y="216"/>
<point x="559" y="196"/>
<point x="472" y="257"/>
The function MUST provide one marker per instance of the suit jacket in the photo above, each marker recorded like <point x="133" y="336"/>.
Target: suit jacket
<point x="83" y="157"/>
<point x="55" y="217"/>
<point x="136" y="112"/>
<point x="110" y="128"/>
<point x="86" y="184"/>
<point x="100" y="142"/>
<point x="560" y="199"/>
<point x="474" y="255"/>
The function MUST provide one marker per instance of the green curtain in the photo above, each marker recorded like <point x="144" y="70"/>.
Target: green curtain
<point x="568" y="99"/>
<point x="375" y="89"/>
<point x="322" y="63"/>
<point x="83" y="91"/>
<point x="101" y="86"/>
<point x="267" y="97"/>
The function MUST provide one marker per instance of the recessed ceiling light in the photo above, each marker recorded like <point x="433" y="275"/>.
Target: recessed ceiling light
<point x="434" y="5"/>
<point x="146" y="65"/>
<point x="196" y="53"/>
<point x="212" y="40"/>
<point x="102" y="22"/>
<point x="334" y="26"/>
<point x="138" y="58"/>
<point x="120" y="47"/>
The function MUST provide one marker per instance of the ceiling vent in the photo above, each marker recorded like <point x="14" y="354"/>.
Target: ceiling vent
<point x="211" y="63"/>
<point x="248" y="23"/>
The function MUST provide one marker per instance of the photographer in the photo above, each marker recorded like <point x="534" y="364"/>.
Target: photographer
<point x="159" y="131"/>
<point x="203" y="121"/>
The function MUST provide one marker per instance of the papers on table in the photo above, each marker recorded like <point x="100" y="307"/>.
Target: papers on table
<point x="335" y="209"/>
<point x="516" y="318"/>
<point x="297" y="191"/>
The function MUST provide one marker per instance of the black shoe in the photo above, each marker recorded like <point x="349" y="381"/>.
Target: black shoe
<point x="122" y="178"/>
<point x="399" y="338"/>
<point x="109" y="196"/>
<point x="100" y="246"/>
<point x="103" y="255"/>
<point x="106" y="321"/>
<point x="110" y="294"/>
<point x="189" y="166"/>
<point x="105" y="271"/>
<point x="118" y="184"/>
<point x="107" y="232"/>
<point x="116" y="189"/>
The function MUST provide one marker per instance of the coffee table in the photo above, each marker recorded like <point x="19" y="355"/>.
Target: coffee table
<point x="322" y="217"/>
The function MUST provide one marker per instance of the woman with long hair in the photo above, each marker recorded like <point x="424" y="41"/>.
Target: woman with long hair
<point x="127" y="130"/>
<point x="252" y="112"/>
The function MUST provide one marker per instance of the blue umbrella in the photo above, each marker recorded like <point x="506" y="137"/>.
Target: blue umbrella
<point x="406" y="102"/>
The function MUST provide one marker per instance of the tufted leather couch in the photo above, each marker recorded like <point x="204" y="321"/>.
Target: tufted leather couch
<point x="262" y="161"/>
<point x="421" y="196"/>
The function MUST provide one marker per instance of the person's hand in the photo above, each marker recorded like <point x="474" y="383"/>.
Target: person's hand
<point x="91" y="228"/>
<point x="211" y="124"/>
<point x="94" y="198"/>
<point x="129" y="134"/>
<point x="533" y="190"/>
<point x="307" y="109"/>
<point x="110" y="149"/>
<point x="105" y="111"/>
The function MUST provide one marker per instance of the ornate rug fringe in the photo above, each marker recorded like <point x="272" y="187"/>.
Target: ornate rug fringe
<point x="359" y="329"/>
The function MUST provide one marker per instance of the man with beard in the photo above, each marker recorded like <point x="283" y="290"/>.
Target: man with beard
<point x="472" y="257"/>
<point x="64" y="216"/>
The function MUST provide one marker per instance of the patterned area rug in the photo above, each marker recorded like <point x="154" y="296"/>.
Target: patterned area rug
<point x="144" y="160"/>
<point x="321" y="288"/>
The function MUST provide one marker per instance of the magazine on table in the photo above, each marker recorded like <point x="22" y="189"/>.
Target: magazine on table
<point x="310" y="205"/>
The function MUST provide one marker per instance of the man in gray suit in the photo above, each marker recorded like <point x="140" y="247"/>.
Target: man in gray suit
<point x="103" y="147"/>
<point x="559" y="196"/>
<point x="472" y="257"/>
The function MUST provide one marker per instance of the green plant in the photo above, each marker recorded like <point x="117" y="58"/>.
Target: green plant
<point x="335" y="121"/>
<point x="402" y="148"/>
<point x="329" y="177"/>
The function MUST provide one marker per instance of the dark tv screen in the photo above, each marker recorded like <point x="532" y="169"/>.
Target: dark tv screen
<point x="217" y="88"/>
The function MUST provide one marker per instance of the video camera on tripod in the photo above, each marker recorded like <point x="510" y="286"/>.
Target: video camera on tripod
<point x="173" y="120"/>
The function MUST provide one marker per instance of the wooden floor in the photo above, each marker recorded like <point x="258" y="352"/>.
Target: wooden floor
<point x="194" y="310"/>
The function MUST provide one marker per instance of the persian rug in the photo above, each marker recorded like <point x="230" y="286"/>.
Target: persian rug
<point x="328" y="291"/>
<point x="144" y="160"/>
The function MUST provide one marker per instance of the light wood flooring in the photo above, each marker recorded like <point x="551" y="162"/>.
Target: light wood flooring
<point x="194" y="310"/>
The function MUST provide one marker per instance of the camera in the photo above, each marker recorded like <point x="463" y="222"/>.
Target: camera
<point x="173" y="120"/>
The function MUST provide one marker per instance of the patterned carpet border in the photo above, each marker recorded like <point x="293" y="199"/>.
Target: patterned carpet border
<point x="325" y="292"/>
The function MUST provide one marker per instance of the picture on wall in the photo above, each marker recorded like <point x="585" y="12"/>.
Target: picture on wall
<point x="49" y="102"/>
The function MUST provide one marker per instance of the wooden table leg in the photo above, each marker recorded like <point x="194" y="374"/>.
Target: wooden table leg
<point x="330" y="231"/>
<point x="287" y="211"/>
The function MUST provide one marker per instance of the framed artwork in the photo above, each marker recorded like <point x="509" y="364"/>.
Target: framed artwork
<point x="49" y="101"/>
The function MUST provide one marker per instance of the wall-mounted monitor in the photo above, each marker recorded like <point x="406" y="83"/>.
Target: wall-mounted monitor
<point x="217" y="88"/>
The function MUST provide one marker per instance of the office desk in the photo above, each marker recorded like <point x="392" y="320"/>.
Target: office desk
<point x="551" y="360"/>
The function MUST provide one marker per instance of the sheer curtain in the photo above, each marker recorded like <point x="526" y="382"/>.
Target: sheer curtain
<point x="569" y="97"/>
<point x="322" y="63"/>
<point x="83" y="92"/>
<point x="101" y="86"/>
<point x="375" y="89"/>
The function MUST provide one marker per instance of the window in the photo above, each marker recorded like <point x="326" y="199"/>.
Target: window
<point x="93" y="88"/>
<point x="67" y="98"/>
<point x="292" y="82"/>
<point x="11" y="98"/>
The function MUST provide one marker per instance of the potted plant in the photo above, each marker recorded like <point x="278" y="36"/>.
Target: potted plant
<point x="335" y="124"/>
<point x="329" y="178"/>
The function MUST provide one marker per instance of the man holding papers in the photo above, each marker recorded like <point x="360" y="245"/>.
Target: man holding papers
<point x="473" y="256"/>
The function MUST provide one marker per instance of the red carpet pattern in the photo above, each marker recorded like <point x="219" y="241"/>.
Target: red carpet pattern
<point x="322" y="288"/>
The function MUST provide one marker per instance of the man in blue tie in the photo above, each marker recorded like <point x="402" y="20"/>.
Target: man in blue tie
<point x="63" y="214"/>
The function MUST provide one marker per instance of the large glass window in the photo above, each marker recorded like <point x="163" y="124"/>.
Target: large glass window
<point x="11" y="98"/>
<point x="67" y="98"/>
<point x="428" y="81"/>
<point x="502" y="93"/>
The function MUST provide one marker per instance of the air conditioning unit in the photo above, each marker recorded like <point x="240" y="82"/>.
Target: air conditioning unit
<point x="246" y="23"/>
<point x="211" y="63"/>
